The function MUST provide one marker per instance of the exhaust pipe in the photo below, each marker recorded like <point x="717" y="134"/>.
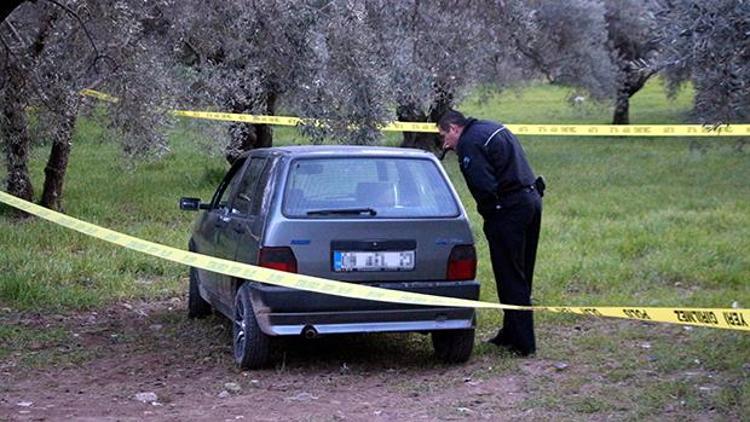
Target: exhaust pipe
<point x="309" y="332"/>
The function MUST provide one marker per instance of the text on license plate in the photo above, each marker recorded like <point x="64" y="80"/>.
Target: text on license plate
<point x="373" y="261"/>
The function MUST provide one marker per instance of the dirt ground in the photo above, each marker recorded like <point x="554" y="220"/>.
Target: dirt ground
<point x="96" y="366"/>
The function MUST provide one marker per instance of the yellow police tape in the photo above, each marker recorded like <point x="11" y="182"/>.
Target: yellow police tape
<point x="729" y="318"/>
<point x="99" y="95"/>
<point x="519" y="129"/>
<point x="294" y="121"/>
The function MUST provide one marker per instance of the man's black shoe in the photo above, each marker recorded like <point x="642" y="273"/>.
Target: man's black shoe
<point x="499" y="339"/>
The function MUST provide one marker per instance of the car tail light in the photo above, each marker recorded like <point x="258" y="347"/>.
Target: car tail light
<point x="281" y="259"/>
<point x="462" y="263"/>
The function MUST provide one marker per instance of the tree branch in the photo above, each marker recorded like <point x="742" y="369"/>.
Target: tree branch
<point x="80" y="21"/>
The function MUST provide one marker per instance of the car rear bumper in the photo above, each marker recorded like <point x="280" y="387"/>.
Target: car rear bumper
<point x="284" y="311"/>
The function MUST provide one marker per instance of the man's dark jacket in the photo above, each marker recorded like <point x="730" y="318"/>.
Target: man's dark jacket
<point x="493" y="163"/>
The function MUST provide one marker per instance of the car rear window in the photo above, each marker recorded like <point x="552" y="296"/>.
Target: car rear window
<point x="392" y="187"/>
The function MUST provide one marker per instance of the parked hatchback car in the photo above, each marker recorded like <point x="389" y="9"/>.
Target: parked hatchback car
<point x="385" y="217"/>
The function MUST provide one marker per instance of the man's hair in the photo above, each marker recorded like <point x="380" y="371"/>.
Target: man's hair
<point x="452" y="117"/>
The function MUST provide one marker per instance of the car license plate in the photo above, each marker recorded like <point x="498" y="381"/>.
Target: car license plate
<point x="345" y="261"/>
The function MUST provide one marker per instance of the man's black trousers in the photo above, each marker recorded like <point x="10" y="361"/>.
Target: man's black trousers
<point x="513" y="235"/>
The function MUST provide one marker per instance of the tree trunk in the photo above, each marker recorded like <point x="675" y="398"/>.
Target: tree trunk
<point x="409" y="113"/>
<point x="622" y="106"/>
<point x="16" y="136"/>
<point x="442" y="102"/>
<point x="406" y="113"/>
<point x="634" y="80"/>
<point x="57" y="164"/>
<point x="265" y="132"/>
<point x="246" y="136"/>
<point x="241" y="138"/>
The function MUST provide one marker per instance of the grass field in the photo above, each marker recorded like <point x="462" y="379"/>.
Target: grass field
<point x="648" y="221"/>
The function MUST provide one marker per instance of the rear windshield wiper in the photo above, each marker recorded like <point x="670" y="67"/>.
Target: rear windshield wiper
<point x="343" y="211"/>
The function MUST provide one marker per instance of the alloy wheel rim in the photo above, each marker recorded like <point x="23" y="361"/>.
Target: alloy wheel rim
<point x="239" y="329"/>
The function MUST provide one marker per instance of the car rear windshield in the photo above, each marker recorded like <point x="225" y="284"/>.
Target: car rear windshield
<point x="367" y="187"/>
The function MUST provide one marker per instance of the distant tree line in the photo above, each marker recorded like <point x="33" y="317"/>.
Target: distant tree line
<point x="354" y="64"/>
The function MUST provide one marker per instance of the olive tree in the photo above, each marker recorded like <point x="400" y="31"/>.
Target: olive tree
<point x="434" y="52"/>
<point x="566" y="42"/>
<point x="348" y="94"/>
<point x="435" y="64"/>
<point x="20" y="52"/>
<point x="635" y="49"/>
<point x="320" y="60"/>
<point x="707" y="43"/>
<point x="439" y="51"/>
<point x="244" y="57"/>
<point x="54" y="49"/>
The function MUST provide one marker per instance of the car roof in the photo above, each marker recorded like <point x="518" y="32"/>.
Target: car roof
<point x="342" y="150"/>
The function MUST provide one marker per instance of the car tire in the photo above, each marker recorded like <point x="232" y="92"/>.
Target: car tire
<point x="251" y="346"/>
<point x="453" y="346"/>
<point x="197" y="306"/>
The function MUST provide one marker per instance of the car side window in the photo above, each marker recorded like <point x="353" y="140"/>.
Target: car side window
<point x="227" y="185"/>
<point x="229" y="188"/>
<point x="263" y="188"/>
<point x="246" y="193"/>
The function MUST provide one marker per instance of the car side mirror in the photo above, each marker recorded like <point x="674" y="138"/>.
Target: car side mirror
<point x="192" y="204"/>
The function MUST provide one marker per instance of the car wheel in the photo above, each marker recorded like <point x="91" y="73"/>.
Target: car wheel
<point x="453" y="346"/>
<point x="251" y="345"/>
<point x="197" y="306"/>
